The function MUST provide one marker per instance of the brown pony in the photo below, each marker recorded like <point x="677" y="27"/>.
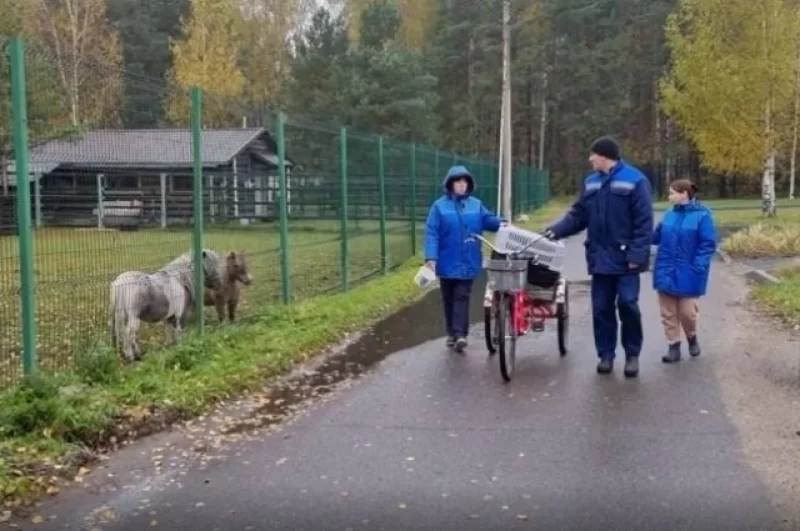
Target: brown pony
<point x="234" y="271"/>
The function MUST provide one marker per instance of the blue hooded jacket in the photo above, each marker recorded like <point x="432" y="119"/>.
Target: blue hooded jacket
<point x="451" y="221"/>
<point x="617" y="212"/>
<point x="687" y="240"/>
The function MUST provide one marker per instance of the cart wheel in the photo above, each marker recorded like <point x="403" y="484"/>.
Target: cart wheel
<point x="507" y="337"/>
<point x="562" y="314"/>
<point x="488" y="326"/>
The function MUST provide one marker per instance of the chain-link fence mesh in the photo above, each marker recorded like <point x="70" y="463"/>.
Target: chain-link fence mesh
<point x="113" y="189"/>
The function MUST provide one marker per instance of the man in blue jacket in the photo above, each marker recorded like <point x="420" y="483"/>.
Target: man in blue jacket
<point x="615" y="207"/>
<point x="452" y="252"/>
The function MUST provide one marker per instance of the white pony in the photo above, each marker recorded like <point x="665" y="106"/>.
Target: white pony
<point x="167" y="295"/>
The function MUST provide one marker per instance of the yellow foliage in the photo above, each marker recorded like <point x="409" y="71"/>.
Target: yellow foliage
<point x="731" y="77"/>
<point x="418" y="19"/>
<point x="207" y="57"/>
<point x="74" y="39"/>
<point x="267" y="24"/>
<point x="11" y="22"/>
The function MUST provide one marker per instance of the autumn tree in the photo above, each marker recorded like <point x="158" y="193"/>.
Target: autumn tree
<point x="207" y="57"/>
<point x="84" y="51"/>
<point x="46" y="116"/>
<point x="730" y="83"/>
<point x="417" y="16"/>
<point x="796" y="117"/>
<point x="264" y="50"/>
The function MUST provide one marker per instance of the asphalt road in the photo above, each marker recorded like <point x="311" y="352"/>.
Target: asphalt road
<point x="427" y="439"/>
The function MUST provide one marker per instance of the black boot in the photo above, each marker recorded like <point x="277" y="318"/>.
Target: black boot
<point x="694" y="347"/>
<point x="605" y="366"/>
<point x="673" y="355"/>
<point x="451" y="341"/>
<point x="631" y="366"/>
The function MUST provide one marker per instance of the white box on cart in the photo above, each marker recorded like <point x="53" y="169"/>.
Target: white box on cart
<point x="547" y="252"/>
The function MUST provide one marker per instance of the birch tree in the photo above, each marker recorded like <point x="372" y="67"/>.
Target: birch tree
<point x="796" y="118"/>
<point x="85" y="54"/>
<point x="730" y="83"/>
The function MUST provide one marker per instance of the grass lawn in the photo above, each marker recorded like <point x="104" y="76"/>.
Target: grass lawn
<point x="735" y="204"/>
<point x="746" y="233"/>
<point x="747" y="211"/>
<point x="74" y="268"/>
<point x="48" y="416"/>
<point x="783" y="299"/>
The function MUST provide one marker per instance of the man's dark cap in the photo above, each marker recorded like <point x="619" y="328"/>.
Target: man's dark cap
<point x="606" y="147"/>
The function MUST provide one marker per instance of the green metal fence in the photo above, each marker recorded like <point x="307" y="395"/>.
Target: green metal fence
<point x="315" y="208"/>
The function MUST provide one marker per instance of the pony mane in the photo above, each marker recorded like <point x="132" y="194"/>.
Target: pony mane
<point x="182" y="267"/>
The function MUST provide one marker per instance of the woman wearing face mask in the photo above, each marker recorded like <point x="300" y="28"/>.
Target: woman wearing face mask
<point x="686" y="240"/>
<point x="452" y="252"/>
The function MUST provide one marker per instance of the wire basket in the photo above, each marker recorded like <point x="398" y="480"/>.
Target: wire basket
<point x="507" y="275"/>
<point x="547" y="252"/>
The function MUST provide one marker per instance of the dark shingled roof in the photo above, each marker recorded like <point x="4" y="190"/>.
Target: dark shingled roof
<point x="146" y="147"/>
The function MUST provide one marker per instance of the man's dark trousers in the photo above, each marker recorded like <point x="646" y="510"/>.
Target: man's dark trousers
<point x="610" y="292"/>
<point x="455" y="298"/>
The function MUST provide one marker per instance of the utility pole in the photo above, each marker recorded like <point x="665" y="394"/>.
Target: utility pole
<point x="506" y="141"/>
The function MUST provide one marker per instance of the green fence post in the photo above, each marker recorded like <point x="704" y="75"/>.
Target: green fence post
<point x="286" y="291"/>
<point x="196" y="96"/>
<point x="26" y="273"/>
<point x="413" y="209"/>
<point x="382" y="202"/>
<point x="343" y="207"/>
<point x="528" y="194"/>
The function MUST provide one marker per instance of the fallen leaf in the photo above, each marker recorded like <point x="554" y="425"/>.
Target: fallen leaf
<point x="401" y="506"/>
<point x="153" y="523"/>
<point x="38" y="519"/>
<point x="522" y="517"/>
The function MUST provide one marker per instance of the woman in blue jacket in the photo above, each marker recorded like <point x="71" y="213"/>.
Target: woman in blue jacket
<point x="452" y="253"/>
<point x="686" y="240"/>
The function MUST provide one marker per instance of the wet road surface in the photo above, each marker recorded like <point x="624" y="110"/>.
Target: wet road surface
<point x="428" y="439"/>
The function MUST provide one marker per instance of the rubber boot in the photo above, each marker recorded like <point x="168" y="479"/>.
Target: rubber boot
<point x="673" y="355"/>
<point x="631" y="366"/>
<point x="694" y="347"/>
<point x="605" y="366"/>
